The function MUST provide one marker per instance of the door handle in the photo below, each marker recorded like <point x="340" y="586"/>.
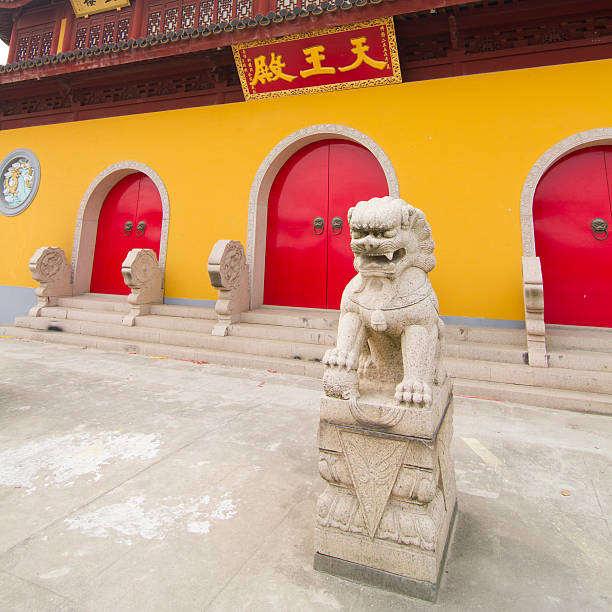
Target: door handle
<point x="140" y="228"/>
<point x="127" y="228"/>
<point x="318" y="225"/>
<point x="337" y="225"/>
<point x="599" y="226"/>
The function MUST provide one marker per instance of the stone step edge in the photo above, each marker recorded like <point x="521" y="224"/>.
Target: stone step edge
<point x="518" y="350"/>
<point x="171" y="351"/>
<point x="113" y="331"/>
<point x="558" y="399"/>
<point x="559" y="339"/>
<point x="561" y="399"/>
<point x="48" y="314"/>
<point x="492" y="371"/>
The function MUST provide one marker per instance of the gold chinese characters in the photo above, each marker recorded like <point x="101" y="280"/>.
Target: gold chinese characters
<point x="272" y="70"/>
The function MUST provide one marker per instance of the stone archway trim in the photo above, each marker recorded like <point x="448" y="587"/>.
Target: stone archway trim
<point x="533" y="285"/>
<point x="260" y="190"/>
<point x="87" y="219"/>
<point x="581" y="140"/>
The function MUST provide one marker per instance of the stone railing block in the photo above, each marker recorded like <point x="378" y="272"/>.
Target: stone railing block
<point x="143" y="275"/>
<point x="229" y="273"/>
<point x="50" y="268"/>
<point x="533" y="292"/>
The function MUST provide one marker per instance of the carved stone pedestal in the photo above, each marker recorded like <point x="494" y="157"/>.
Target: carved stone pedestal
<point x="386" y="515"/>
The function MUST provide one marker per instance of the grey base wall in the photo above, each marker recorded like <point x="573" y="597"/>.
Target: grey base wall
<point x="188" y="302"/>
<point x="478" y="322"/>
<point x="15" y="302"/>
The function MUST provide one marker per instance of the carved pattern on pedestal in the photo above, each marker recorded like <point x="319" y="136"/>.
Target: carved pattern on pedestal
<point x="374" y="464"/>
<point x="143" y="269"/>
<point x="402" y="522"/>
<point x="224" y="268"/>
<point x="49" y="265"/>
<point x="412" y="483"/>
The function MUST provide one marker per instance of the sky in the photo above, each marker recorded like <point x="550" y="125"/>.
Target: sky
<point x="3" y="52"/>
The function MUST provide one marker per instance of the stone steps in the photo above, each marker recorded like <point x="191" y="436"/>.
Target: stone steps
<point x="561" y="399"/>
<point x="467" y="365"/>
<point x="213" y="356"/>
<point x="486" y="362"/>
<point x="195" y="339"/>
<point x="264" y="325"/>
<point x="559" y="338"/>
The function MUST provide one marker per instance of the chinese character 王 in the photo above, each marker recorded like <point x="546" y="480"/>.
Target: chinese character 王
<point x="314" y="55"/>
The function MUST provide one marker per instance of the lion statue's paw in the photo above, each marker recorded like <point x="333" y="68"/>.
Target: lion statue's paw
<point x="413" y="390"/>
<point x="339" y="358"/>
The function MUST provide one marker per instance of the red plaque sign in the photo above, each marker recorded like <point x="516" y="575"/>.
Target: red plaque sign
<point x="357" y="55"/>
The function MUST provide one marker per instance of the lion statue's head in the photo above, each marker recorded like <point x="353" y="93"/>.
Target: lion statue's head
<point x="388" y="236"/>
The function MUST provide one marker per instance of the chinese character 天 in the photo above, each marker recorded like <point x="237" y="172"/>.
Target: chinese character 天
<point x="360" y="49"/>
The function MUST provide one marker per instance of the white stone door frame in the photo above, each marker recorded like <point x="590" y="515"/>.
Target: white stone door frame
<point x="87" y="219"/>
<point x="533" y="288"/>
<point x="260" y="190"/>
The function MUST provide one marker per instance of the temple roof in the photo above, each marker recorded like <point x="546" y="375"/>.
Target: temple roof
<point x="408" y="6"/>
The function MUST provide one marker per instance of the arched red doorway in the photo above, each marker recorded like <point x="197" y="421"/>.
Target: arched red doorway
<point x="308" y="254"/>
<point x="576" y="255"/>
<point x="133" y="200"/>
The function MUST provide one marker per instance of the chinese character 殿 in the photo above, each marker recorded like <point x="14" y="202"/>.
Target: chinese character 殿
<point x="271" y="71"/>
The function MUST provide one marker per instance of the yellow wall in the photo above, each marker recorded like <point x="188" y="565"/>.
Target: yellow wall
<point x="462" y="148"/>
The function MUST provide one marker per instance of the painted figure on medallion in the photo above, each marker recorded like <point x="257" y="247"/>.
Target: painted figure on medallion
<point x="17" y="182"/>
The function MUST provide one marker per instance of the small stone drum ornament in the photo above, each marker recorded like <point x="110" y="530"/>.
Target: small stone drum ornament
<point x="50" y="268"/>
<point x="229" y="273"/>
<point x="225" y="263"/>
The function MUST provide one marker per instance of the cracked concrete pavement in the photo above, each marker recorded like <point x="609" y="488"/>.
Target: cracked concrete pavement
<point x="136" y="483"/>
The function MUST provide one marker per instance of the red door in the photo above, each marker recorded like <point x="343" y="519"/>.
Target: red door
<point x="576" y="261"/>
<point x="308" y="264"/>
<point x="134" y="200"/>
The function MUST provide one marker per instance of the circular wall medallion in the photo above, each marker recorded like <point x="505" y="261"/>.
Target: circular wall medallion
<point x="19" y="179"/>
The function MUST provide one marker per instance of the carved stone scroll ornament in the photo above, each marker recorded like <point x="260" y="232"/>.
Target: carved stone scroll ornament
<point x="50" y="268"/>
<point x="229" y="273"/>
<point x="386" y="416"/>
<point x="533" y="288"/>
<point x="142" y="274"/>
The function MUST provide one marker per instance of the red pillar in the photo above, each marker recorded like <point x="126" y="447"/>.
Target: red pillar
<point x="68" y="44"/>
<point x="13" y="39"/>
<point x="136" y="27"/>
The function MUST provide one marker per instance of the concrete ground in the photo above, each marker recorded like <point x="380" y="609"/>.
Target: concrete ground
<point x="130" y="483"/>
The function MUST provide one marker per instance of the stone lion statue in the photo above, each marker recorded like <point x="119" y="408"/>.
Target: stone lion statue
<point x="389" y="333"/>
